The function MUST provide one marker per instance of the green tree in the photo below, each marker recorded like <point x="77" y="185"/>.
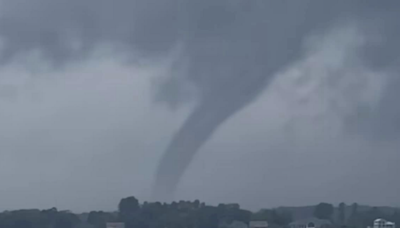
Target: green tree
<point x="395" y="216"/>
<point x="128" y="211"/>
<point x="208" y="217"/>
<point x="367" y="218"/>
<point x="354" y="209"/>
<point x="196" y="204"/>
<point x="281" y="218"/>
<point x="99" y="218"/>
<point x="342" y="214"/>
<point x="273" y="217"/>
<point x="353" y="220"/>
<point x="323" y="211"/>
<point x="66" y="220"/>
<point x="262" y="215"/>
<point x="129" y="205"/>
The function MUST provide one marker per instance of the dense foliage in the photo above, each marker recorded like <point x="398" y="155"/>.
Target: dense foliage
<point x="186" y="214"/>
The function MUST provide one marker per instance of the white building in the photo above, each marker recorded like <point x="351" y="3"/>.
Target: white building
<point x="382" y="223"/>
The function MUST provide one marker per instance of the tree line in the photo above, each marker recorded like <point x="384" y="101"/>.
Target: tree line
<point x="186" y="214"/>
<point x="353" y="216"/>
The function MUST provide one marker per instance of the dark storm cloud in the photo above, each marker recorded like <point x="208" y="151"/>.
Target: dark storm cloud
<point x="231" y="49"/>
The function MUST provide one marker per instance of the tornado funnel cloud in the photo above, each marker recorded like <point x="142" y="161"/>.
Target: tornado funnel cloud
<point x="205" y="119"/>
<point x="230" y="65"/>
<point x="196" y="130"/>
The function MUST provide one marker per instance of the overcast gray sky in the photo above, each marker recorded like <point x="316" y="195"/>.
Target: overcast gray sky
<point x="264" y="103"/>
